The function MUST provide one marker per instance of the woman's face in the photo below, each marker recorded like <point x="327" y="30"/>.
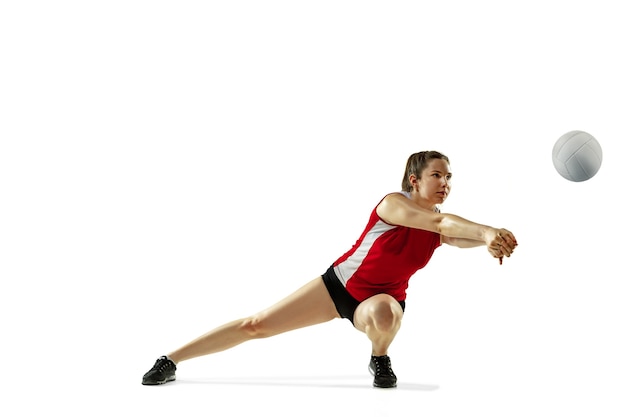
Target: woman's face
<point x="434" y="186"/>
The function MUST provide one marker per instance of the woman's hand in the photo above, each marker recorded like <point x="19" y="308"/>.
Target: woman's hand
<point x="500" y="243"/>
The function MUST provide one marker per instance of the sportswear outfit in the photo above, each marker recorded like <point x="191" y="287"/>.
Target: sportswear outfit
<point x="382" y="260"/>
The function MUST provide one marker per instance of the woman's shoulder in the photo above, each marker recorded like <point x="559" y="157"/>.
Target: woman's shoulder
<point x="390" y="201"/>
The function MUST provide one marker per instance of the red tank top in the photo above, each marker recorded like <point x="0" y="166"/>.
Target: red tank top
<point x="384" y="258"/>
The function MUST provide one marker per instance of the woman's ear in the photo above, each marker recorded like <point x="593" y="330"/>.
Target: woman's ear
<point x="413" y="181"/>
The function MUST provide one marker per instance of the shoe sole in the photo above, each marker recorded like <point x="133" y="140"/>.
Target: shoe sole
<point x="384" y="386"/>
<point x="170" y="379"/>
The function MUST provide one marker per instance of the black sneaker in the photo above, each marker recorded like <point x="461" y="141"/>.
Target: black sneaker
<point x="164" y="370"/>
<point x="380" y="367"/>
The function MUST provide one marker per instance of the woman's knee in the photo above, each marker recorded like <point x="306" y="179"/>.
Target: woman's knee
<point x="384" y="313"/>
<point x="256" y="326"/>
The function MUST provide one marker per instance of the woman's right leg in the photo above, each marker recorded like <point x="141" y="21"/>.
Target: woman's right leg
<point x="379" y="317"/>
<point x="309" y="305"/>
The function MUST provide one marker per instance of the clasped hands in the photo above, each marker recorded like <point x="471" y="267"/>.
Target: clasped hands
<point x="501" y="243"/>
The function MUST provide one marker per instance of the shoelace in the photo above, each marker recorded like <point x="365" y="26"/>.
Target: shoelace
<point x="162" y="364"/>
<point x="383" y="366"/>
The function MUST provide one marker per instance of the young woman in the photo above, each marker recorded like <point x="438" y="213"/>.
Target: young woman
<point x="367" y="285"/>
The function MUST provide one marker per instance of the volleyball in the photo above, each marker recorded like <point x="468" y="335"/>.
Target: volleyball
<point x="577" y="156"/>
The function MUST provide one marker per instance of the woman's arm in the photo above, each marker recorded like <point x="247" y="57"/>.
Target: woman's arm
<point x="399" y="210"/>
<point x="459" y="242"/>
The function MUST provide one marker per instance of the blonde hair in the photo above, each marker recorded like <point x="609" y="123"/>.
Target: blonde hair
<point x="416" y="164"/>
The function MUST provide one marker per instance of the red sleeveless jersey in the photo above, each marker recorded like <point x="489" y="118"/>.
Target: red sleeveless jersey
<point x="384" y="258"/>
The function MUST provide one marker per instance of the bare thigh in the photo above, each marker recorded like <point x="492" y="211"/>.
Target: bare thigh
<point x="309" y="305"/>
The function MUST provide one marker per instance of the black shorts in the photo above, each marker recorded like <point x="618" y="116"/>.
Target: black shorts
<point x="344" y="303"/>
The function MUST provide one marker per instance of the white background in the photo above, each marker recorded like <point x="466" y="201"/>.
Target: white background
<point x="169" y="166"/>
